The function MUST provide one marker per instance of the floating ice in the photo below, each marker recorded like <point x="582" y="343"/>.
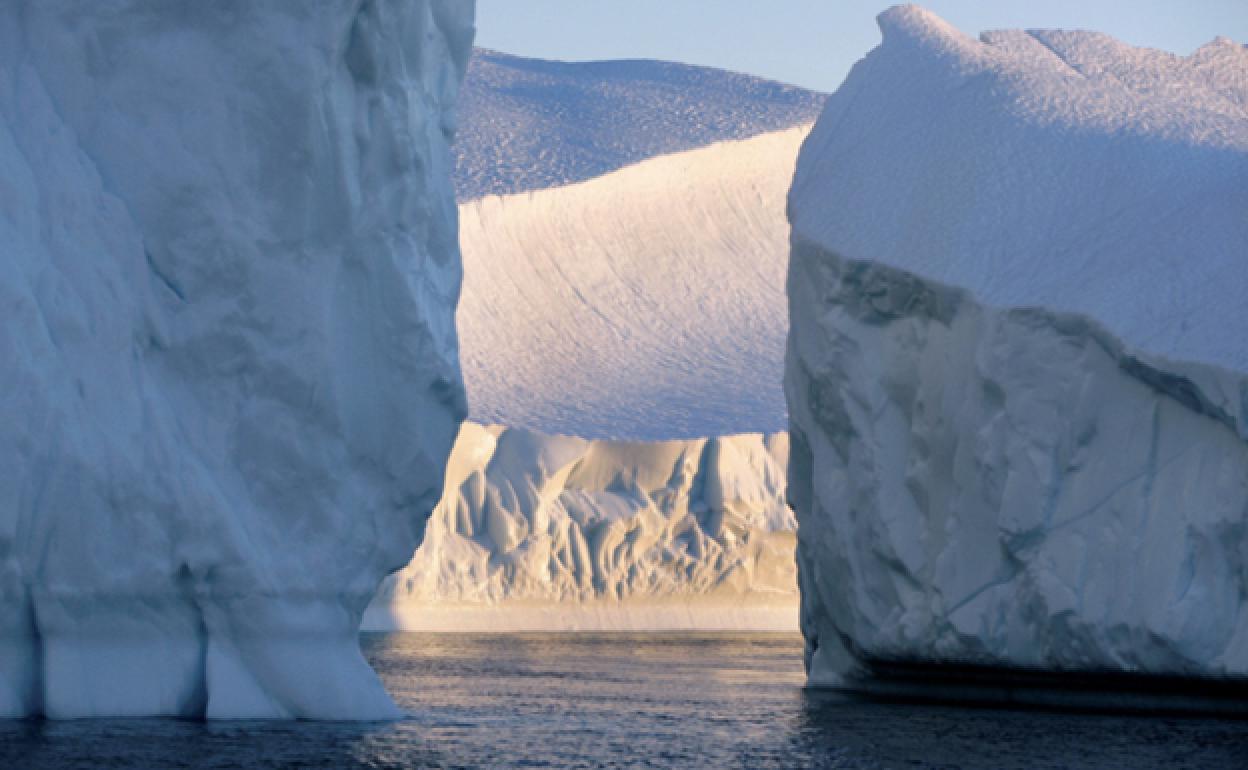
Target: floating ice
<point x="647" y="305"/>
<point x="542" y="532"/>
<point x="1017" y="374"/>
<point x="227" y="359"/>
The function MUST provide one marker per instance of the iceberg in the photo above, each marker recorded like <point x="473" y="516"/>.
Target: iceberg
<point x="1016" y="370"/>
<point x="543" y="532"/>
<point x="612" y="326"/>
<point x="228" y="358"/>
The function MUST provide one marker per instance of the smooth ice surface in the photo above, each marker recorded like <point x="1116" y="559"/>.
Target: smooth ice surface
<point x="539" y="532"/>
<point x="1016" y="372"/>
<point x="227" y="357"/>
<point x="646" y="304"/>
<point x="529" y="124"/>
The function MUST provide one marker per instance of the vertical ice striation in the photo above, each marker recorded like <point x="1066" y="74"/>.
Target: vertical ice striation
<point x="228" y="360"/>
<point x="1017" y="372"/>
<point x="639" y="312"/>
<point x="542" y="532"/>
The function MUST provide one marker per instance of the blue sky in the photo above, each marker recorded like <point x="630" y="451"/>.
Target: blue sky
<point x="814" y="42"/>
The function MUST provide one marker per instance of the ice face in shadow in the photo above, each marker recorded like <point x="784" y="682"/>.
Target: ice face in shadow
<point x="228" y="357"/>
<point x="1016" y="374"/>
<point x="541" y="532"/>
<point x="1054" y="169"/>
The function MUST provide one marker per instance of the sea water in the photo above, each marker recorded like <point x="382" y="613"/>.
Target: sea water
<point x="615" y="700"/>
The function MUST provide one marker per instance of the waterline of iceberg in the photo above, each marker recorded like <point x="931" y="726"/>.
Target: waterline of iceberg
<point x="1016" y="373"/>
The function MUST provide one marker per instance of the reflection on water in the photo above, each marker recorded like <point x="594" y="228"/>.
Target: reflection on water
<point x="716" y="700"/>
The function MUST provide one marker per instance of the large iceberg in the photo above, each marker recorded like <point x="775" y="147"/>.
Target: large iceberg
<point x="228" y="359"/>
<point x="1017" y="372"/>
<point x="612" y="325"/>
<point x="540" y="532"/>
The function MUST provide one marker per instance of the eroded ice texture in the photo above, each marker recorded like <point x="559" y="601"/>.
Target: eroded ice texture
<point x="1002" y="251"/>
<point x="227" y="359"/>
<point x="554" y="532"/>
<point x="646" y="304"/>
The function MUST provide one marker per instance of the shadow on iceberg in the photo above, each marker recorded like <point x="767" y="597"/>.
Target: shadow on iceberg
<point x="1016" y="375"/>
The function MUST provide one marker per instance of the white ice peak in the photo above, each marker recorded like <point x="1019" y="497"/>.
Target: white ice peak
<point x="228" y="358"/>
<point x="1057" y="169"/>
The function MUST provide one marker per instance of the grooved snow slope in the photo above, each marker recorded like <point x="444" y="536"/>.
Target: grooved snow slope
<point x="646" y="304"/>
<point x="553" y="532"/>
<point x="529" y="124"/>
<point x="1017" y="370"/>
<point x="228" y="371"/>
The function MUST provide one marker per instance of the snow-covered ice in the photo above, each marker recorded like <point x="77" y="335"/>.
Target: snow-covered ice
<point x="541" y="532"/>
<point x="228" y="362"/>
<point x="1056" y="169"/>
<point x="1017" y="373"/>
<point x="530" y="124"/>
<point x="646" y="304"/>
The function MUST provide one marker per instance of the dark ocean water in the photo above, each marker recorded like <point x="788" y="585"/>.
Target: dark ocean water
<point x="719" y="701"/>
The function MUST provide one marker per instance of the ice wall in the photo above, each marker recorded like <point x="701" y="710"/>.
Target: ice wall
<point x="555" y="532"/>
<point x="1016" y="373"/>
<point x="228" y="361"/>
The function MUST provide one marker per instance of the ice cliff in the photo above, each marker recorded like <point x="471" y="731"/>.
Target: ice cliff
<point x="1017" y="372"/>
<point x="228" y="360"/>
<point x="554" y="532"/>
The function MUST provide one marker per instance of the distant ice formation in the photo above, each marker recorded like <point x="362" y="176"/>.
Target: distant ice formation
<point x="647" y="304"/>
<point x="542" y="532"/>
<point x="529" y="124"/>
<point x="1017" y="371"/>
<point x="228" y="361"/>
<point x="640" y="311"/>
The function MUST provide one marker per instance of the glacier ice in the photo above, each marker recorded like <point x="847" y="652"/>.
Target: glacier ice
<point x="1056" y="169"/>
<point x="543" y="532"/>
<point x="228" y="360"/>
<point x="531" y="124"/>
<point x="1016" y="373"/>
<point x="640" y="311"/>
<point x="647" y="304"/>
